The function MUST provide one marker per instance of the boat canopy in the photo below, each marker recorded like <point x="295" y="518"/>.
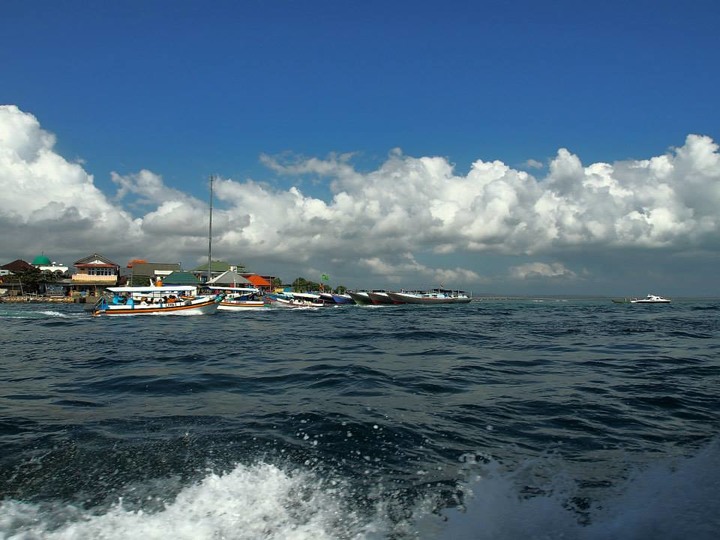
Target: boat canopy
<point x="152" y="289"/>
<point x="235" y="289"/>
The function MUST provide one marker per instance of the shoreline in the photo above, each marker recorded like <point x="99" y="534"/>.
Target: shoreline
<point x="45" y="299"/>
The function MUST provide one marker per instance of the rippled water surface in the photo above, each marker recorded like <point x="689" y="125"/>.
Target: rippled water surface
<point x="519" y="418"/>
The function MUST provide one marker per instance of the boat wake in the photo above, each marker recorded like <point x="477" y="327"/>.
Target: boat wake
<point x="37" y="314"/>
<point x="665" y="501"/>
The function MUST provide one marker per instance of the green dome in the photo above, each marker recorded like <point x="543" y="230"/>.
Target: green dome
<point x="41" y="260"/>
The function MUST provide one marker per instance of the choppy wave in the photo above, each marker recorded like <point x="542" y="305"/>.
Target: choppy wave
<point x="506" y="420"/>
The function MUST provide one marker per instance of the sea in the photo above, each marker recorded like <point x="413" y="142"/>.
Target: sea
<point x="511" y="418"/>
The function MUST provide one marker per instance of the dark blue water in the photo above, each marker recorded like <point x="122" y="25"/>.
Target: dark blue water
<point x="498" y="419"/>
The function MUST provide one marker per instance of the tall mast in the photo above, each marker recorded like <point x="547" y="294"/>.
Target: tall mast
<point x="209" y="273"/>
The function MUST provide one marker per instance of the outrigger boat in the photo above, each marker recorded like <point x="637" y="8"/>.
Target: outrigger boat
<point x="239" y="298"/>
<point x="156" y="300"/>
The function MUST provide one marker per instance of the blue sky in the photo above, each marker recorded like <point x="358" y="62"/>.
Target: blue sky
<point x="187" y="89"/>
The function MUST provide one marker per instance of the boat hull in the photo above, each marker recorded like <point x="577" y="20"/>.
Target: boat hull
<point x="381" y="298"/>
<point x="188" y="307"/>
<point x="650" y="299"/>
<point x="241" y="305"/>
<point x="405" y="298"/>
<point x="295" y="300"/>
<point x="360" y="298"/>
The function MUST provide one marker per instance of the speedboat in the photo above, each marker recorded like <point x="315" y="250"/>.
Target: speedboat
<point x="239" y="298"/>
<point x="380" y="296"/>
<point x="155" y="300"/>
<point x="336" y="299"/>
<point x="650" y="299"/>
<point x="360" y="297"/>
<point x="436" y="296"/>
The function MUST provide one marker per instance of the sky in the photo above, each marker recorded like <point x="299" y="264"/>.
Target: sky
<point x="498" y="147"/>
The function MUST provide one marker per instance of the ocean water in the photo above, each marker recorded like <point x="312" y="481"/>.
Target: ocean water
<point x="513" y="419"/>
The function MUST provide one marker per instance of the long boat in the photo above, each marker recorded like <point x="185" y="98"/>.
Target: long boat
<point x="239" y="298"/>
<point x="436" y="296"/>
<point x="155" y="300"/>
<point x="295" y="300"/>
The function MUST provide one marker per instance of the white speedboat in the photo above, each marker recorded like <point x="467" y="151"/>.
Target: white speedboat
<point x="152" y="300"/>
<point x="650" y="299"/>
<point x="239" y="298"/>
<point x="436" y="296"/>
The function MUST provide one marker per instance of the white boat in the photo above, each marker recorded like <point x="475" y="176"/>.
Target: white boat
<point x="295" y="300"/>
<point x="650" y="299"/>
<point x="239" y="298"/>
<point x="155" y="300"/>
<point x="436" y="296"/>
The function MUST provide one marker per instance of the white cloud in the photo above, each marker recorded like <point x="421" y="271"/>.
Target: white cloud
<point x="533" y="164"/>
<point x="541" y="270"/>
<point x="48" y="201"/>
<point x="375" y="225"/>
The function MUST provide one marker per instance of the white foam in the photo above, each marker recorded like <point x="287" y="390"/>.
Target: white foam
<point x="669" y="500"/>
<point x="49" y="313"/>
<point x="247" y="503"/>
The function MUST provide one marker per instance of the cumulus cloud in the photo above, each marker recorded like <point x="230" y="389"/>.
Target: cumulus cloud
<point x="48" y="200"/>
<point x="374" y="224"/>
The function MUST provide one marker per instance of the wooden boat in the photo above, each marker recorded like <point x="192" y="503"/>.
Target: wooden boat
<point x="154" y="300"/>
<point x="239" y="298"/>
<point x="295" y="300"/>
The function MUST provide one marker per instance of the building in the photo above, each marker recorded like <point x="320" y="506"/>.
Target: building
<point x="10" y="281"/>
<point x="43" y="263"/>
<point x="216" y="269"/>
<point x="264" y="283"/>
<point x="146" y="273"/>
<point x="93" y="274"/>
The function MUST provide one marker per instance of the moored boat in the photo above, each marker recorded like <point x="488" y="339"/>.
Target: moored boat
<point x="360" y="297"/>
<point x="436" y="296"/>
<point x="239" y="298"/>
<point x="336" y="299"/>
<point x="155" y="300"/>
<point x="380" y="297"/>
<point x="295" y="300"/>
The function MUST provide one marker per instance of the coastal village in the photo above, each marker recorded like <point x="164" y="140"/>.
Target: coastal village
<point x="167" y="288"/>
<point x="46" y="280"/>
